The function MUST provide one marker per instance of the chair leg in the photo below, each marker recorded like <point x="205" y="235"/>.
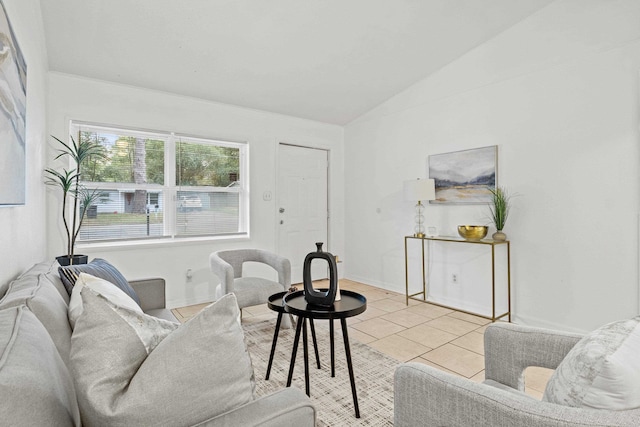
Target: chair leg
<point x="288" y="321"/>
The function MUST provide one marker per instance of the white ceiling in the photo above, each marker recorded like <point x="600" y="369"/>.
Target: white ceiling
<point x="326" y="60"/>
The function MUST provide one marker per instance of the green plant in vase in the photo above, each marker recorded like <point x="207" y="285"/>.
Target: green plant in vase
<point x="69" y="183"/>
<point x="499" y="207"/>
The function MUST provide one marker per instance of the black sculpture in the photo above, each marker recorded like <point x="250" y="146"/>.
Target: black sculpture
<point x="320" y="297"/>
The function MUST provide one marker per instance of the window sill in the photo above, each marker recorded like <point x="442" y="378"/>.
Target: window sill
<point x="159" y="243"/>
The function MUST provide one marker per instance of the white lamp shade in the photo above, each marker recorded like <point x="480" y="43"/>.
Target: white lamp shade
<point x="420" y="189"/>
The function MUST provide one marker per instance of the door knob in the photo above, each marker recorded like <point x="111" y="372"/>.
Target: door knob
<point x="281" y="210"/>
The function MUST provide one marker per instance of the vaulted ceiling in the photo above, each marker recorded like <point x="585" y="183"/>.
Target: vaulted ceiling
<point x="325" y="60"/>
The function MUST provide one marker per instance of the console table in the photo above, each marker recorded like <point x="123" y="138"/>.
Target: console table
<point x="454" y="240"/>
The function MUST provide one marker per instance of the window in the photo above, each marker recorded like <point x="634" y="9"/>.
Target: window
<point x="162" y="185"/>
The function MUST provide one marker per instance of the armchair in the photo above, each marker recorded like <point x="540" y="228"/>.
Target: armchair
<point x="427" y="396"/>
<point x="227" y="265"/>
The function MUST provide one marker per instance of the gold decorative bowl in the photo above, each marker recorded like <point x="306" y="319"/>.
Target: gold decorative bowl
<point x="473" y="232"/>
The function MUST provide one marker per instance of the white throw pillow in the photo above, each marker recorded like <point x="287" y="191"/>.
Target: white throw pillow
<point x="198" y="371"/>
<point x="103" y="287"/>
<point x="601" y="371"/>
<point x="150" y="330"/>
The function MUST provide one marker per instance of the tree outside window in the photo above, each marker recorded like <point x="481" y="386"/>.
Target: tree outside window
<point x="201" y="185"/>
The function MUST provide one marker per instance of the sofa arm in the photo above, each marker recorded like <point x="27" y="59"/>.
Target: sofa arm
<point x="287" y="407"/>
<point x="151" y="293"/>
<point x="509" y="349"/>
<point x="426" y="396"/>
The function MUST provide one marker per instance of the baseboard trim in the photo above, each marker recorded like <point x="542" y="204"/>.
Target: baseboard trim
<point x="376" y="283"/>
<point x="541" y="323"/>
<point x="515" y="317"/>
<point x="171" y="304"/>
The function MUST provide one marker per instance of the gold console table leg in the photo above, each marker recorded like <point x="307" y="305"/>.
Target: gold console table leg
<point x="492" y="243"/>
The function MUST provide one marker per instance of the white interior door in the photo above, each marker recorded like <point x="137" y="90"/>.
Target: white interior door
<point x="303" y="207"/>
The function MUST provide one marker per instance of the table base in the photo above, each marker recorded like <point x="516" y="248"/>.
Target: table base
<point x="301" y="326"/>
<point x="275" y="340"/>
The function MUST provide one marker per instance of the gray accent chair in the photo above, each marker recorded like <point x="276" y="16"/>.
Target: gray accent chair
<point x="227" y="265"/>
<point x="429" y="397"/>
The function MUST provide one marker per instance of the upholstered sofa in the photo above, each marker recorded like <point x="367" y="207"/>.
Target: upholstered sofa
<point x="36" y="381"/>
<point x="430" y="397"/>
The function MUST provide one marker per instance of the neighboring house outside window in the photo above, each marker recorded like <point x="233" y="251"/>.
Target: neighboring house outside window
<point x="163" y="185"/>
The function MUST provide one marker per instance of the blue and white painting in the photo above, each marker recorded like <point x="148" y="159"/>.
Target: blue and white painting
<point x="13" y="108"/>
<point x="464" y="176"/>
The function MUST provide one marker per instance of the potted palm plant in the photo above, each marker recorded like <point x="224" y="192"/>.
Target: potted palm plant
<point x="73" y="192"/>
<point x="499" y="207"/>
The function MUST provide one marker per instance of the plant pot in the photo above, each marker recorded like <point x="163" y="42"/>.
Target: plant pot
<point x="499" y="236"/>
<point x="67" y="260"/>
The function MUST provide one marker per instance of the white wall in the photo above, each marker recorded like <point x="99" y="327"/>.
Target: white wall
<point x="88" y="100"/>
<point x="23" y="227"/>
<point x="558" y="93"/>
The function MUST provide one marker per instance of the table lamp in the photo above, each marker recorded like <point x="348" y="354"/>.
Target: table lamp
<point x="419" y="189"/>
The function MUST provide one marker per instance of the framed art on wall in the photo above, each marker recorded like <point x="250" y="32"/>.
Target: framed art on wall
<point x="13" y="106"/>
<point x="464" y="177"/>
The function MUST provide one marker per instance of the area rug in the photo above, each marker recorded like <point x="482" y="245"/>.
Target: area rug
<point x="331" y="396"/>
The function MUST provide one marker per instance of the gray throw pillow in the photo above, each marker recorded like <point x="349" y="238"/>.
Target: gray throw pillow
<point x="128" y="376"/>
<point x="99" y="268"/>
<point x="35" y="384"/>
<point x="43" y="299"/>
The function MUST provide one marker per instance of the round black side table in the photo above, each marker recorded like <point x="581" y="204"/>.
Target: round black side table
<point x="350" y="304"/>
<point x="276" y="303"/>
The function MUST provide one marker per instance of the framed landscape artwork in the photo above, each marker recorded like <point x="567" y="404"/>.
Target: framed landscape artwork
<point x="464" y="177"/>
<point x="13" y="106"/>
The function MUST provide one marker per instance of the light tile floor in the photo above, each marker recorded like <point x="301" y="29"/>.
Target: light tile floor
<point x="445" y="339"/>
